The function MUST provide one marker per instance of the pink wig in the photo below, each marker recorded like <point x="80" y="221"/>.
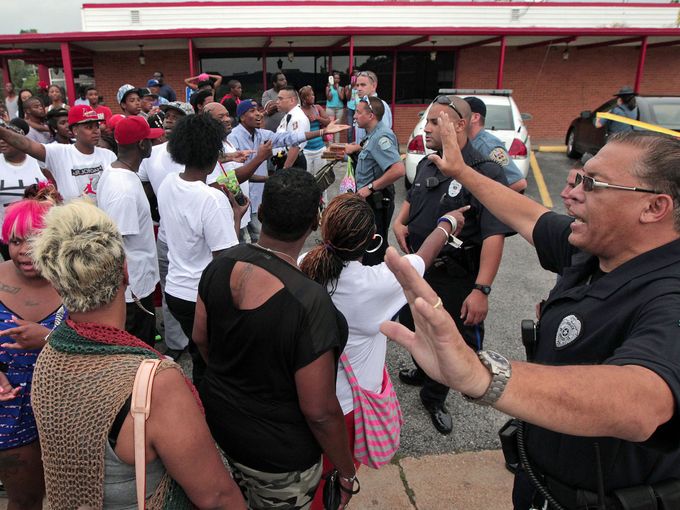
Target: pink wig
<point x="24" y="218"/>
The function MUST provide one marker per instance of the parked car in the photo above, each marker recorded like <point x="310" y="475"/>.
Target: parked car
<point x="583" y="136"/>
<point x="502" y="118"/>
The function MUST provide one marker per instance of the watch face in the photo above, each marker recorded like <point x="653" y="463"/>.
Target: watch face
<point x="494" y="356"/>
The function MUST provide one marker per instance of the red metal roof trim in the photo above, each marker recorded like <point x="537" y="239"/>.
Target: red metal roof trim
<point x="351" y="3"/>
<point x="197" y="33"/>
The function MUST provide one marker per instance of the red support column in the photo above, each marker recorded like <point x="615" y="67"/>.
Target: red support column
<point x="6" y="75"/>
<point x="501" y="64"/>
<point x="641" y="64"/>
<point x="43" y="73"/>
<point x="264" y="70"/>
<point x="351" y="54"/>
<point x="394" y="81"/>
<point x="192" y="59"/>
<point x="68" y="72"/>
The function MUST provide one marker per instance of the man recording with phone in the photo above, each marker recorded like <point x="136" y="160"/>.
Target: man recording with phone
<point x="378" y="166"/>
<point x="461" y="276"/>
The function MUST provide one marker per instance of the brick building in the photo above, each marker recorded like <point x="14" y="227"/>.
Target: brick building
<point x="559" y="58"/>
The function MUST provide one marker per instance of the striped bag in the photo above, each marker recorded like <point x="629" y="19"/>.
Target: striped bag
<point x="377" y="420"/>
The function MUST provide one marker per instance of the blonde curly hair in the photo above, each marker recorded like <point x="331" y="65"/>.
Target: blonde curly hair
<point x="80" y="252"/>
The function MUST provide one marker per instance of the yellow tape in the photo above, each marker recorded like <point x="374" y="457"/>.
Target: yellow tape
<point x="540" y="182"/>
<point x="637" y="123"/>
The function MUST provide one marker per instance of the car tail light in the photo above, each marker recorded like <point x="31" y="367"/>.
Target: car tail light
<point x="517" y="149"/>
<point x="416" y="145"/>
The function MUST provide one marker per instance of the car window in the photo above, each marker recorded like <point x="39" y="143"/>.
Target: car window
<point x="499" y="117"/>
<point x="666" y="114"/>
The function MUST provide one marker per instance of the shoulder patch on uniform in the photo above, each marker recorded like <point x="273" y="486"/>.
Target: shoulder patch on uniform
<point x="568" y="331"/>
<point x="454" y="188"/>
<point x="385" y="143"/>
<point x="294" y="125"/>
<point x="500" y="156"/>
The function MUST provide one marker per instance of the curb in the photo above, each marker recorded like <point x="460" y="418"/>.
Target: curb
<point x="551" y="148"/>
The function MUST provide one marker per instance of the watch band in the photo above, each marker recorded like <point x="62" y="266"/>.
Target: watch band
<point x="484" y="289"/>
<point x="501" y="370"/>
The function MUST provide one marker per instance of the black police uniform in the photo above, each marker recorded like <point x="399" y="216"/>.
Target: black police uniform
<point x="627" y="317"/>
<point x="453" y="274"/>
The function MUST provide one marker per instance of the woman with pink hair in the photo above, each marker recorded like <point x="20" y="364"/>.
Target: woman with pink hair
<point x="29" y="309"/>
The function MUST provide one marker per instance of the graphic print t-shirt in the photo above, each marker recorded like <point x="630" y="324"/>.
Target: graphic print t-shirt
<point x="77" y="174"/>
<point x="14" y="179"/>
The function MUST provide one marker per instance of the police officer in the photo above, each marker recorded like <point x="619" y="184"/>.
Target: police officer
<point x="378" y="166"/>
<point x="491" y="146"/>
<point x="293" y="120"/>
<point x="626" y="106"/>
<point x="601" y="402"/>
<point x="462" y="277"/>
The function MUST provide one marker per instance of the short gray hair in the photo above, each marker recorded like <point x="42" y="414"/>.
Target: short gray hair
<point x="80" y="252"/>
<point x="658" y="168"/>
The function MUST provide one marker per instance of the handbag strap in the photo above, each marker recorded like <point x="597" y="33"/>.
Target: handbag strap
<point x="140" y="408"/>
<point x="349" y="372"/>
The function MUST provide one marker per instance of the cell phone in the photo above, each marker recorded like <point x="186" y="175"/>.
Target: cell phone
<point x="331" y="80"/>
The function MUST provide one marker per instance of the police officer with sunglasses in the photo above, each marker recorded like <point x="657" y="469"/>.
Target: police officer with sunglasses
<point x="600" y="402"/>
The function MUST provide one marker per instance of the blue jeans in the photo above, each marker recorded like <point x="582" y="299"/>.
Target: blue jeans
<point x="350" y="121"/>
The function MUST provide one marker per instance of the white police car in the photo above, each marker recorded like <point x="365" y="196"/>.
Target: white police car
<point x="503" y="118"/>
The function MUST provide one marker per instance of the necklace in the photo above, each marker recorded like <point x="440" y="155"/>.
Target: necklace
<point x="278" y="253"/>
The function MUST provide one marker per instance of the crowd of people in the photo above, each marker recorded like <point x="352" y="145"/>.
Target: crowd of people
<point x="213" y="200"/>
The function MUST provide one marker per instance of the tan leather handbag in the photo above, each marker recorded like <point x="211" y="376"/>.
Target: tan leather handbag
<point x="140" y="408"/>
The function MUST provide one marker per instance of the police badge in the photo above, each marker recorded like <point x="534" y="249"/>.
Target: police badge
<point x="500" y="156"/>
<point x="568" y="331"/>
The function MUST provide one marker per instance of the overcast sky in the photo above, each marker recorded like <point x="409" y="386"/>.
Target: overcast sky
<point x="64" y="15"/>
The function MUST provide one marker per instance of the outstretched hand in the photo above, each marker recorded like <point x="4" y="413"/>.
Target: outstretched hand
<point x="451" y="163"/>
<point x="26" y="335"/>
<point x="436" y="344"/>
<point x="333" y="127"/>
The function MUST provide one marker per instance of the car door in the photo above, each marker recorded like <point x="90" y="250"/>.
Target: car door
<point x="591" y="139"/>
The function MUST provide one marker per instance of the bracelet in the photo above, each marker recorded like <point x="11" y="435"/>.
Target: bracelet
<point x="451" y="220"/>
<point x="448" y="236"/>
<point x="350" y="479"/>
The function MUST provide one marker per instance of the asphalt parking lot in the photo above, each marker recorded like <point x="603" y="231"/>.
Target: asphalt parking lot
<point x="520" y="284"/>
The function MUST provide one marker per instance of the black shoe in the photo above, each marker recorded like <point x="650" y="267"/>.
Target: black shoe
<point x="411" y="376"/>
<point x="441" y="419"/>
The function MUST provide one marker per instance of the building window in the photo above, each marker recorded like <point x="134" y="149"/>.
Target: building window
<point x="419" y="78"/>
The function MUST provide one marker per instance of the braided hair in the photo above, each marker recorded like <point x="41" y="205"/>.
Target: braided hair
<point x="347" y="228"/>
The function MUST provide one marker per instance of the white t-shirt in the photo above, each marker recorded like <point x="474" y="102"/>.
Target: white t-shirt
<point x="295" y="120"/>
<point x="76" y="174"/>
<point x="225" y="167"/>
<point x="158" y="166"/>
<point x="367" y="296"/>
<point x="14" y="179"/>
<point x="120" y="195"/>
<point x="198" y="220"/>
<point x="155" y="169"/>
<point x="12" y="107"/>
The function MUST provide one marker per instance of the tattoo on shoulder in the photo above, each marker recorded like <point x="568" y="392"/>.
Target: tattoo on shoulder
<point x="9" y="288"/>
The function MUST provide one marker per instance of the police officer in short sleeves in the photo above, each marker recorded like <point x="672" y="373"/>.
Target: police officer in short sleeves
<point x="378" y="166"/>
<point x="461" y="277"/>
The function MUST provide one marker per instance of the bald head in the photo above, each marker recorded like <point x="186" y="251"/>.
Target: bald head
<point x="463" y="107"/>
<point x="220" y="113"/>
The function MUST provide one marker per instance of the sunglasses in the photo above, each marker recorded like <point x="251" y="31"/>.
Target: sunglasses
<point x="447" y="101"/>
<point x="589" y="184"/>
<point x="368" y="103"/>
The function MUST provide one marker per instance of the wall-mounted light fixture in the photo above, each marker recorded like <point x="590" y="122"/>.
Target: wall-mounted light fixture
<point x="565" y="53"/>
<point x="291" y="55"/>
<point x="433" y="53"/>
<point x="142" y="58"/>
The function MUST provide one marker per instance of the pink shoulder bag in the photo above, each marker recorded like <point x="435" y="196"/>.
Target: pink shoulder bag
<point x="377" y="420"/>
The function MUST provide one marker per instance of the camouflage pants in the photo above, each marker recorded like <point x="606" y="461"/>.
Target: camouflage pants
<point x="280" y="491"/>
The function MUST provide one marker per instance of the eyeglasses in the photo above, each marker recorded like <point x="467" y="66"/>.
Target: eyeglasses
<point x="447" y="101"/>
<point x="368" y="103"/>
<point x="589" y="184"/>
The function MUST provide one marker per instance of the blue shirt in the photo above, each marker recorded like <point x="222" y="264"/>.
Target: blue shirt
<point x="380" y="152"/>
<point x="619" y="127"/>
<point x="492" y="147"/>
<point x="360" y="133"/>
<point x="243" y="140"/>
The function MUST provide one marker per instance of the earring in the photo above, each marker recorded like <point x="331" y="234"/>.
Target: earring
<point x="379" y="244"/>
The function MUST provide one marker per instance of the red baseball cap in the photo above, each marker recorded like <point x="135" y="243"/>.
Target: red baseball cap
<point x="80" y="114"/>
<point x="113" y="121"/>
<point x="135" y="129"/>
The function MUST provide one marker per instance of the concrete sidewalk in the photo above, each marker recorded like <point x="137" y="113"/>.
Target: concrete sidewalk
<point x="462" y="481"/>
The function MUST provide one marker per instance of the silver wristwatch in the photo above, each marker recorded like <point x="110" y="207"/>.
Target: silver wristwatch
<point x="501" y="370"/>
